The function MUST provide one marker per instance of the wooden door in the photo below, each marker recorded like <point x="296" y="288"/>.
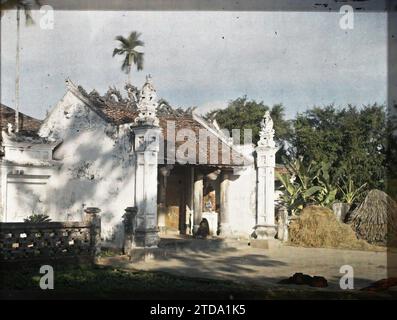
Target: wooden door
<point x="175" y="198"/>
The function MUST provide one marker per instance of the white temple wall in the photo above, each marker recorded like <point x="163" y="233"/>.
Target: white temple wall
<point x="242" y="199"/>
<point x="23" y="188"/>
<point x="97" y="166"/>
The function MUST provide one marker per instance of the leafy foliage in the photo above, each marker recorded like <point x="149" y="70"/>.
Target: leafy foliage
<point x="37" y="218"/>
<point x="327" y="191"/>
<point x="291" y="196"/>
<point x="127" y="48"/>
<point x="353" y="141"/>
<point x="242" y="113"/>
<point x="333" y="153"/>
<point x="312" y="185"/>
<point x="350" y="192"/>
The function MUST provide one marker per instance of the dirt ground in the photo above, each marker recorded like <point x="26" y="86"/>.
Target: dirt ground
<point x="237" y="261"/>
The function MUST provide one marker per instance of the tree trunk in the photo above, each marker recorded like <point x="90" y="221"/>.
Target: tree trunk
<point x="17" y="74"/>
<point x="129" y="75"/>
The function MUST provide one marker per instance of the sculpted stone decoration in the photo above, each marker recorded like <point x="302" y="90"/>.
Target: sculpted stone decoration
<point x="266" y="134"/>
<point x="80" y="88"/>
<point x="113" y="96"/>
<point x="10" y="129"/>
<point x="132" y="92"/>
<point x="95" y="95"/>
<point x="144" y="101"/>
<point x="164" y="109"/>
<point x="147" y="104"/>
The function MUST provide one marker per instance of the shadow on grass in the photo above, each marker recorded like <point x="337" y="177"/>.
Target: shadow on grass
<point x="118" y="279"/>
<point x="100" y="282"/>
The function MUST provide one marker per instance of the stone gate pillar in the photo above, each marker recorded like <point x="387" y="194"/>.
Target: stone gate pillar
<point x="198" y="200"/>
<point x="146" y="146"/>
<point x="265" y="160"/>
<point x="225" y="229"/>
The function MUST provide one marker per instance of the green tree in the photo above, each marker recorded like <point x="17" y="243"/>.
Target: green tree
<point x="128" y="49"/>
<point x="351" y="140"/>
<point x="242" y="113"/>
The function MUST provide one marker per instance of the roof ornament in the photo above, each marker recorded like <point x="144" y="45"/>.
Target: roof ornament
<point x="10" y="128"/>
<point x="165" y="109"/>
<point x="266" y="135"/>
<point x="132" y="93"/>
<point x="113" y="96"/>
<point x="147" y="104"/>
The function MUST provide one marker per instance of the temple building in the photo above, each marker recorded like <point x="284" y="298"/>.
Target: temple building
<point x="115" y="152"/>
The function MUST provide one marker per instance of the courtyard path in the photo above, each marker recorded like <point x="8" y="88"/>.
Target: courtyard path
<point x="242" y="263"/>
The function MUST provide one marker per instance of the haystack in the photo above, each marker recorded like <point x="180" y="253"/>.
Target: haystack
<point x="318" y="227"/>
<point x="375" y="220"/>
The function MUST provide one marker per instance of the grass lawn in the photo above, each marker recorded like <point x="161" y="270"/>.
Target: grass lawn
<point x="99" y="282"/>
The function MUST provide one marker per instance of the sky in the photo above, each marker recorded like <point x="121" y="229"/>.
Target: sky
<point x="204" y="59"/>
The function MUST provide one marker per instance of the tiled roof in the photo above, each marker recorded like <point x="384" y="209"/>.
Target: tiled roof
<point x="27" y="124"/>
<point x="186" y="122"/>
<point x="119" y="115"/>
<point x="122" y="112"/>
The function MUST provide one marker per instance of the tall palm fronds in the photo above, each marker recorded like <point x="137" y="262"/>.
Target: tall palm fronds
<point x="127" y="48"/>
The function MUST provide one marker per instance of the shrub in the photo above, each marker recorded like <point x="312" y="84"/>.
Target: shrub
<point x="37" y="218"/>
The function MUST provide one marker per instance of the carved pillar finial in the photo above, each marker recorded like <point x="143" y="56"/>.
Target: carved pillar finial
<point x="147" y="104"/>
<point x="266" y="135"/>
<point x="10" y="128"/>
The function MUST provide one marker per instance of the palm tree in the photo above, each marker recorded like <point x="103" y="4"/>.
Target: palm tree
<point x="127" y="48"/>
<point x="27" y="6"/>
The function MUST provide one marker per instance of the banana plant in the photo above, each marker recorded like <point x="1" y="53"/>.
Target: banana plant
<point x="304" y="174"/>
<point x="291" y="193"/>
<point x="305" y="177"/>
<point x="327" y="193"/>
<point x="308" y="194"/>
<point x="350" y="192"/>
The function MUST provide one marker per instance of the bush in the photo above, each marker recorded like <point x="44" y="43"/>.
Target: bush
<point x="313" y="185"/>
<point x="37" y="218"/>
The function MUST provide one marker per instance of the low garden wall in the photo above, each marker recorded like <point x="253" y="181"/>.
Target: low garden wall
<point x="31" y="243"/>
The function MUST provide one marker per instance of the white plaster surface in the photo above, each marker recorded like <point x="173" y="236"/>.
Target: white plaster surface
<point x="242" y="197"/>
